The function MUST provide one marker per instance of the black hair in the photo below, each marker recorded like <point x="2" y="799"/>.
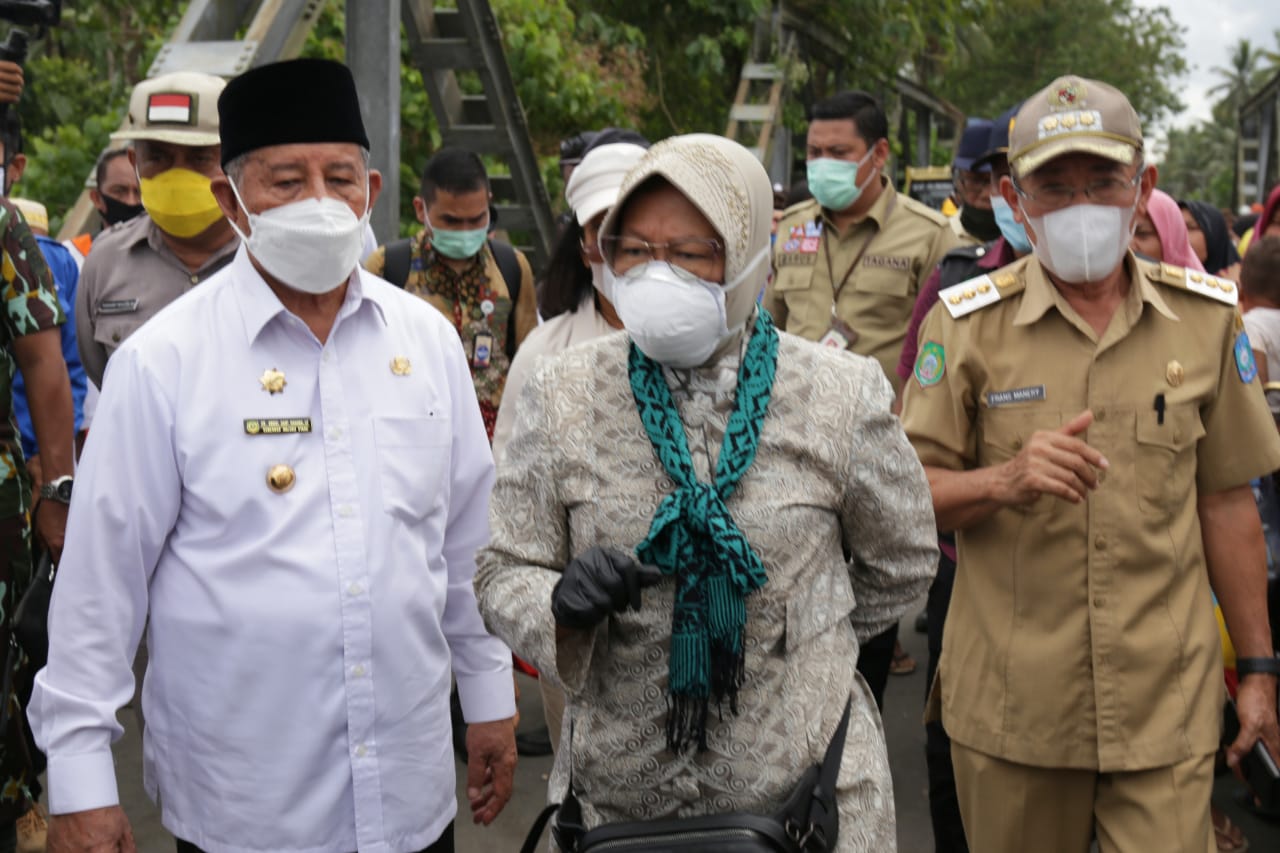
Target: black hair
<point x="862" y="109"/>
<point x="1260" y="272"/>
<point x="567" y="279"/>
<point x="11" y="134"/>
<point x="454" y="170"/>
<point x="104" y="160"/>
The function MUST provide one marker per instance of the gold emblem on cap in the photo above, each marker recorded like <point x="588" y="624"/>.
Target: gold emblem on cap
<point x="1086" y="119"/>
<point x="400" y="366"/>
<point x="1068" y="121"/>
<point x="1069" y="93"/>
<point x="280" y="479"/>
<point x="1174" y="373"/>
<point x="272" y="381"/>
<point x="1050" y="123"/>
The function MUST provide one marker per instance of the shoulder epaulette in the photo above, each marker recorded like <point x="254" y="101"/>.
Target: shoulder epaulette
<point x="923" y="210"/>
<point x="968" y="296"/>
<point x="1216" y="288"/>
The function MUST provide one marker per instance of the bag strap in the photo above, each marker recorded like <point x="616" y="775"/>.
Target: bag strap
<point x="535" y="831"/>
<point x="820" y="813"/>
<point x="509" y="265"/>
<point x="396" y="267"/>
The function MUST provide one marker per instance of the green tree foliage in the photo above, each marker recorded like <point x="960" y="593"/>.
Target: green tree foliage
<point x="1030" y="42"/>
<point x="1198" y="162"/>
<point x="1238" y="81"/>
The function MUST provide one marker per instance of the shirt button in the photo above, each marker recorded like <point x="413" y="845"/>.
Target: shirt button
<point x="355" y="589"/>
<point x="1099" y="602"/>
<point x="195" y="279"/>
<point x="115" y="337"/>
<point x="361" y="752"/>
<point x="358" y="670"/>
<point x="346" y="511"/>
<point x="1100" y="543"/>
<point x="335" y="433"/>
<point x="1101" y="414"/>
<point x="326" y="356"/>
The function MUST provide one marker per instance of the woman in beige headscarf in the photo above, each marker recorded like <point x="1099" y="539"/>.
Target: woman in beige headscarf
<point x="753" y="484"/>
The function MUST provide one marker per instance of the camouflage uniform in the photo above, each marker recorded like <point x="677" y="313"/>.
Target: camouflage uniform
<point x="30" y="304"/>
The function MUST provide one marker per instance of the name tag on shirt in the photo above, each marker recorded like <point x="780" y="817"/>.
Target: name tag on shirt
<point x="1030" y="394"/>
<point x="117" y="306"/>
<point x="890" y="262"/>
<point x="276" y="426"/>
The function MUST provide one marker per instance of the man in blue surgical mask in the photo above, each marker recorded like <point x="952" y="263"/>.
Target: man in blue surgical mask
<point x="484" y="286"/>
<point x="1080" y="415"/>
<point x="959" y="265"/>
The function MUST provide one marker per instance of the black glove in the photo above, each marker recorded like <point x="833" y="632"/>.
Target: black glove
<point x="599" y="582"/>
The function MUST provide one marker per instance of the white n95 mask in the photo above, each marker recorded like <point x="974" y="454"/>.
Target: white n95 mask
<point x="1085" y="242"/>
<point x="306" y="244"/>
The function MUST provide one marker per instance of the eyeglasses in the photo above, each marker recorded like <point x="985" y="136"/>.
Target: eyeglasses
<point x="690" y="258"/>
<point x="1109" y="191"/>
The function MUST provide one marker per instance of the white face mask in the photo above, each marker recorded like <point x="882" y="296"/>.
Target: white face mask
<point x="1085" y="242"/>
<point x="597" y="277"/>
<point x="306" y="244"/>
<point x="677" y="322"/>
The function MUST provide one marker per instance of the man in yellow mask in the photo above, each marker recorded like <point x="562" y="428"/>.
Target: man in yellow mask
<point x="141" y="265"/>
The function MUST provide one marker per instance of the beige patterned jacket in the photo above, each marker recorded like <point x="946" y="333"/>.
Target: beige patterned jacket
<point x="834" y="472"/>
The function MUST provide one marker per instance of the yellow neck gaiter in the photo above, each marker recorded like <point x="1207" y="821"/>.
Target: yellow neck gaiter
<point x="180" y="202"/>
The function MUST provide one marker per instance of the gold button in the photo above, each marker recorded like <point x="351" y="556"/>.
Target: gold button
<point x="280" y="479"/>
<point x="1174" y="373"/>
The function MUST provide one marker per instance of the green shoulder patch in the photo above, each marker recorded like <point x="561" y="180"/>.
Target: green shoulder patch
<point x="931" y="364"/>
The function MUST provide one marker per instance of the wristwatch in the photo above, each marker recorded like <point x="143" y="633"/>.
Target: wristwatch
<point x="1250" y="666"/>
<point x="58" y="489"/>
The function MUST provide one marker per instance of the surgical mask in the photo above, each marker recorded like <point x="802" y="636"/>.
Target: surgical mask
<point x="306" y="244"/>
<point x="597" y="276"/>
<point x="1083" y="242"/>
<point x="676" y="320"/>
<point x="1014" y="232"/>
<point x="180" y="202"/>
<point x="834" y="183"/>
<point x="117" y="210"/>
<point x="458" y="245"/>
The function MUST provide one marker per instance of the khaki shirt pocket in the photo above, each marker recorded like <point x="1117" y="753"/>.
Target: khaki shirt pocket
<point x="413" y="463"/>
<point x="1166" y="457"/>
<point x="792" y="278"/>
<point x="1005" y="432"/>
<point x="111" y="330"/>
<point x="882" y="281"/>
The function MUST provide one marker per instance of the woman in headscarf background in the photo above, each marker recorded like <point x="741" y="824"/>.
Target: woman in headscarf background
<point x="696" y="522"/>
<point x="1210" y="238"/>
<point x="1160" y="233"/>
<point x="572" y="307"/>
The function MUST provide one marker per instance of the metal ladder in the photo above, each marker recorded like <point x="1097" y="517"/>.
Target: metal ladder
<point x="444" y="42"/>
<point x="755" y="119"/>
<point x="204" y="40"/>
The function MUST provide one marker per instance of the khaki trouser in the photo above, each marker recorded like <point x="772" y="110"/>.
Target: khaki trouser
<point x="1014" y="808"/>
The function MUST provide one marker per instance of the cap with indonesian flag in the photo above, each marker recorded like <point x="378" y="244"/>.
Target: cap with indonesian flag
<point x="181" y="108"/>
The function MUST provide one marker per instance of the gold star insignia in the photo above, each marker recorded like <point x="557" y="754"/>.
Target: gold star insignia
<point x="273" y="381"/>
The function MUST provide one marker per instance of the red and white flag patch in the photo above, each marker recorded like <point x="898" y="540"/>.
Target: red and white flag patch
<point x="170" y="108"/>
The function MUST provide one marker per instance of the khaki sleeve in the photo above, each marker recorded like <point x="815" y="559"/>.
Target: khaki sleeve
<point x="773" y="301"/>
<point x="944" y="240"/>
<point x="376" y="263"/>
<point x="940" y="418"/>
<point x="93" y="355"/>
<point x="526" y="309"/>
<point x="1240" y="440"/>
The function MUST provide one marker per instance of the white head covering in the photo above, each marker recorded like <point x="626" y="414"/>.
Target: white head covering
<point x="593" y="186"/>
<point x="729" y="186"/>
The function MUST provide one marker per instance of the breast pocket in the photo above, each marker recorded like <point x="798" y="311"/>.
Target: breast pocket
<point x="110" y="330"/>
<point x="793" y="277"/>
<point x="1166" y="457"/>
<point x="883" y="282"/>
<point x="413" y="463"/>
<point x="1005" y="432"/>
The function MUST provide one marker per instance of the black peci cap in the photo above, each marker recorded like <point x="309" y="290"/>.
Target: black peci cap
<point x="284" y="103"/>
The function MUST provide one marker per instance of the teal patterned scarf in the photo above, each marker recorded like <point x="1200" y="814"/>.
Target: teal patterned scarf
<point x="694" y="537"/>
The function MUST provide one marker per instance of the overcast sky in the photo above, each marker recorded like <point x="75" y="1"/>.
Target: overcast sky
<point x="1212" y="29"/>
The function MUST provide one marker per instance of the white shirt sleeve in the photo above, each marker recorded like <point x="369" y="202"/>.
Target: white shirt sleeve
<point x="126" y="500"/>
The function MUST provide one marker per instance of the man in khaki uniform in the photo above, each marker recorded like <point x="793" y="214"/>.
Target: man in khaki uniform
<point x="1089" y="423"/>
<point x="850" y="261"/>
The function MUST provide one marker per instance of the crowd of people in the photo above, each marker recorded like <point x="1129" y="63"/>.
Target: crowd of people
<point x="692" y="475"/>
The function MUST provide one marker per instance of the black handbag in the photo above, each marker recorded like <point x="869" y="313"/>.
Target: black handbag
<point x="808" y="822"/>
<point x="29" y="630"/>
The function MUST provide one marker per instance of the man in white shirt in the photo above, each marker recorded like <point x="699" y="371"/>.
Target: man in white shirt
<point x="288" y="469"/>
